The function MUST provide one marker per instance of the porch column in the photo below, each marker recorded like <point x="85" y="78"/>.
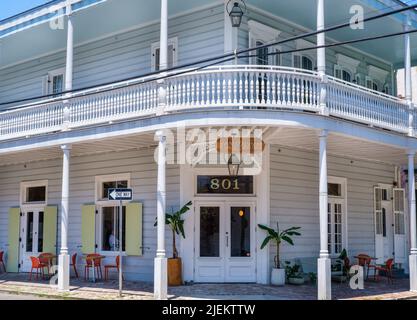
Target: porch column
<point x="161" y="269"/>
<point x="408" y="78"/>
<point x="323" y="265"/>
<point x="321" y="57"/>
<point x="413" y="221"/>
<point x="64" y="260"/>
<point x="69" y="63"/>
<point x="163" y="56"/>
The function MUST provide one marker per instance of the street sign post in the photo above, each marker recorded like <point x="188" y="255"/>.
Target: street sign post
<point x="120" y="195"/>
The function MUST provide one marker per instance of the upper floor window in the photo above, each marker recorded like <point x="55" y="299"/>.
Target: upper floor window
<point x="34" y="192"/>
<point x="172" y="54"/>
<point x="371" y="84"/>
<point x="342" y="74"/>
<point x="55" y="82"/>
<point x="346" y="68"/>
<point x="303" y="62"/>
<point x="259" y="35"/>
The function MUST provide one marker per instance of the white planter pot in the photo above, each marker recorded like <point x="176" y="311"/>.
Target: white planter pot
<point x="278" y="277"/>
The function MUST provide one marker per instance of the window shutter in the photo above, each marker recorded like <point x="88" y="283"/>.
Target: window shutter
<point x="379" y="241"/>
<point x="337" y="72"/>
<point x="399" y="225"/>
<point x="50" y="229"/>
<point x="297" y="61"/>
<point x="13" y="245"/>
<point x="134" y="229"/>
<point x="45" y="85"/>
<point x="88" y="228"/>
<point x="171" y="53"/>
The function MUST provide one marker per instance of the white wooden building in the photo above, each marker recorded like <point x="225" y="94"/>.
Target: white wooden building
<point x="82" y="109"/>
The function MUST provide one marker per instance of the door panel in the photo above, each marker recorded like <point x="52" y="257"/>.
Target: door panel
<point x="399" y="226"/>
<point x="31" y="233"/>
<point x="379" y="240"/>
<point x="209" y="245"/>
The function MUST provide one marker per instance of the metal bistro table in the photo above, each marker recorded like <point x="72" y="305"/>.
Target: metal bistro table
<point x="49" y="258"/>
<point x="86" y="257"/>
<point x="367" y="264"/>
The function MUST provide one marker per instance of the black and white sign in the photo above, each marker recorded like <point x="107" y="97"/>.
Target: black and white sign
<point x="120" y="194"/>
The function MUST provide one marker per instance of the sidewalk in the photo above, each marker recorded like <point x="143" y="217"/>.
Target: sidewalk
<point x="82" y="290"/>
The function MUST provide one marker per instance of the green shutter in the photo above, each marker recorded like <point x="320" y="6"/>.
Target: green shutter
<point x="88" y="227"/>
<point x="134" y="229"/>
<point x="49" y="229"/>
<point x="14" y="235"/>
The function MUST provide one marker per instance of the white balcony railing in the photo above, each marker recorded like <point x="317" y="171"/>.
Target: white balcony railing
<point x="225" y="87"/>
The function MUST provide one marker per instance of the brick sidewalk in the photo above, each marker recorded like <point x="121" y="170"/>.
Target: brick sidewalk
<point x="19" y="284"/>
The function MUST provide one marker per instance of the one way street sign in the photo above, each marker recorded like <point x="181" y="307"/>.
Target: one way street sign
<point x="120" y="194"/>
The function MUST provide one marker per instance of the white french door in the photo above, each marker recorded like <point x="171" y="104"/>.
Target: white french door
<point x="31" y="236"/>
<point x="225" y="242"/>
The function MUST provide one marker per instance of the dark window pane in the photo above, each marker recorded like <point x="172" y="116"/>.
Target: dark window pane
<point x="209" y="232"/>
<point x="110" y="229"/>
<point x="36" y="194"/>
<point x="29" y="232"/>
<point x="262" y="57"/>
<point x="40" y="233"/>
<point x="240" y="232"/>
<point x="384" y="222"/>
<point x="106" y="187"/>
<point x="334" y="189"/>
<point x="307" y="63"/>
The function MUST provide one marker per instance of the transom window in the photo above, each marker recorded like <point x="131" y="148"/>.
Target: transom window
<point x="104" y="183"/>
<point x="34" y="192"/>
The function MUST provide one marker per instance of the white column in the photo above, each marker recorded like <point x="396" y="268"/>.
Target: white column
<point x="413" y="221"/>
<point x="323" y="265"/>
<point x="163" y="57"/>
<point x="69" y="63"/>
<point x="64" y="260"/>
<point x="321" y="57"/>
<point x="161" y="269"/>
<point x="408" y="78"/>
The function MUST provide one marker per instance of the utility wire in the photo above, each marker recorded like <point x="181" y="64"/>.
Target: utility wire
<point x="218" y="59"/>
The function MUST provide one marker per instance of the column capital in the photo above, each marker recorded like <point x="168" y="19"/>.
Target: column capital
<point x="66" y="147"/>
<point x="411" y="153"/>
<point x="324" y="133"/>
<point x="161" y="134"/>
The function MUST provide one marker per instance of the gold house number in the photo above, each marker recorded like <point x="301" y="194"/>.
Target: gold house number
<point x="225" y="184"/>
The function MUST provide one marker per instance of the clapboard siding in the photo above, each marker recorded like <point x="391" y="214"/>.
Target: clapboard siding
<point x="200" y="35"/>
<point x="83" y="170"/>
<point x="295" y="198"/>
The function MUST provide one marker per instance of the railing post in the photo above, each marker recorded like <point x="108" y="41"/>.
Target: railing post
<point x="163" y="58"/>
<point x="408" y="78"/>
<point x="68" y="67"/>
<point x="321" y="59"/>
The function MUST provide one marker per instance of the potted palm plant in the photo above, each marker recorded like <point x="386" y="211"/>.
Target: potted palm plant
<point x="277" y="237"/>
<point x="176" y="223"/>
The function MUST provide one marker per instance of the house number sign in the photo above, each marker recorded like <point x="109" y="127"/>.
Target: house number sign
<point x="224" y="185"/>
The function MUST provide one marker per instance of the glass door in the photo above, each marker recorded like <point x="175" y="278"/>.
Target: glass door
<point x="31" y="237"/>
<point x="240" y="261"/>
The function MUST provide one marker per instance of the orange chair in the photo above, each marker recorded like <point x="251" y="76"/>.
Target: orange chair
<point x="1" y="260"/>
<point x="89" y="264"/>
<point x="38" y="266"/>
<point x="387" y="268"/>
<point x="112" y="266"/>
<point x="46" y="259"/>
<point x="74" y="264"/>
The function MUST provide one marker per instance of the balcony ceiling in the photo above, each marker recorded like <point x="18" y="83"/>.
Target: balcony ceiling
<point x="112" y="16"/>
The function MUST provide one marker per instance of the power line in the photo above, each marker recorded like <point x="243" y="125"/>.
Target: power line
<point x="218" y="59"/>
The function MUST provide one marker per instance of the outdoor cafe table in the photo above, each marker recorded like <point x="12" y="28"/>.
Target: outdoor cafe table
<point x="86" y="258"/>
<point x="367" y="265"/>
<point x="50" y="261"/>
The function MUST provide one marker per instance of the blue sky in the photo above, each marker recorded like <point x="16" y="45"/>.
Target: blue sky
<point x="11" y="7"/>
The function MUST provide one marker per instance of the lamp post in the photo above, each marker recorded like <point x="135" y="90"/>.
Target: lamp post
<point x="237" y="12"/>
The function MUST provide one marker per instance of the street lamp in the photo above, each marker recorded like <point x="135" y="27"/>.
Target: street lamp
<point x="237" y="12"/>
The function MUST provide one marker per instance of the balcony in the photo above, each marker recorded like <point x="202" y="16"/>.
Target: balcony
<point x="225" y="87"/>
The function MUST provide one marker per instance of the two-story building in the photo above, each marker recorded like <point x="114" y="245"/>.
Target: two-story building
<point x="90" y="88"/>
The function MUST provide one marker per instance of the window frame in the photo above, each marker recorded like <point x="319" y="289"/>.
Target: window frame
<point x="51" y="75"/>
<point x="157" y="45"/>
<point x="259" y="32"/>
<point x="342" y="200"/>
<point x="31" y="184"/>
<point x="103" y="203"/>
<point x="304" y="55"/>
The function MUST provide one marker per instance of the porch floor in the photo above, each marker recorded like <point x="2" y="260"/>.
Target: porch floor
<point x="80" y="289"/>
